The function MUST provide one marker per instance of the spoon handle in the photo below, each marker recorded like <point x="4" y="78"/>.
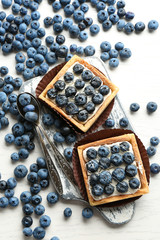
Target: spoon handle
<point x="54" y="175"/>
<point x="66" y="168"/>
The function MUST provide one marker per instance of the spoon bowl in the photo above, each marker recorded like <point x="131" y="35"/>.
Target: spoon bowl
<point x="34" y="102"/>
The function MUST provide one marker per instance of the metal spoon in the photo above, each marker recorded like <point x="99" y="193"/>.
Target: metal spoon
<point x="52" y="154"/>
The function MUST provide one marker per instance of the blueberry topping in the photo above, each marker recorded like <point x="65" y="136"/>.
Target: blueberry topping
<point x="89" y="90"/>
<point x="78" y="68"/>
<point x="70" y="91"/>
<point x="59" y="85"/>
<point x="104" y="162"/>
<point x="128" y="158"/>
<point x="97" y="190"/>
<point x="134" y="183"/>
<point x="68" y="77"/>
<point x="103" y="151"/>
<point x="90" y="107"/>
<point x="82" y="115"/>
<point x="87" y="75"/>
<point x="92" y="165"/>
<point x="104" y="90"/>
<point x="91" y="153"/>
<point x="109" y="189"/>
<point x="79" y="83"/>
<point x="96" y="82"/>
<point x="51" y="93"/>
<point x="131" y="170"/>
<point x="97" y="98"/>
<point x="94" y="178"/>
<point x="115" y="149"/>
<point x="80" y="99"/>
<point x="105" y="178"/>
<point x="71" y="108"/>
<point x="124" y="146"/>
<point x="61" y="100"/>
<point x="116" y="159"/>
<point x="118" y="174"/>
<point x="122" y="187"/>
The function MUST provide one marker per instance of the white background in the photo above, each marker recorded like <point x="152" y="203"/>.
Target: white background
<point x="139" y="81"/>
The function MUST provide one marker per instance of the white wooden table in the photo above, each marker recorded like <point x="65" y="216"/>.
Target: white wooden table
<point x="138" y="80"/>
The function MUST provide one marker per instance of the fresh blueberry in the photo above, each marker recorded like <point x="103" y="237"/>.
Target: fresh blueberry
<point x="94" y="179"/>
<point x="78" y="15"/>
<point x="67" y="212"/>
<point x="3" y="185"/>
<point x="74" y="31"/>
<point x="32" y="177"/>
<point x="125" y="53"/>
<point x="97" y="189"/>
<point x="45" y="221"/>
<point x="151" y="107"/>
<point x="20" y="171"/>
<point x="122" y="187"/>
<point x="100" y="6"/>
<point x="9" y="193"/>
<point x="88" y="21"/>
<point x="86" y="75"/>
<point x="27" y="221"/>
<point x="155" y="168"/>
<point x="13" y="201"/>
<point x="80" y="99"/>
<point x="31" y="116"/>
<point x="116" y="159"/>
<point x="107" y="24"/>
<point x="151" y="151"/>
<point x="115" y="149"/>
<point x="28" y="209"/>
<point x="4" y="202"/>
<point x="109" y="189"/>
<point x="102" y="15"/>
<point x="67" y="22"/>
<point x="123" y="122"/>
<point x="3" y="97"/>
<point x="154" y="141"/>
<point x="61" y="100"/>
<point x="82" y="115"/>
<point x="105" y="46"/>
<point x="36" y="199"/>
<point x="68" y="77"/>
<point x="105" y="178"/>
<point x="27" y="231"/>
<point x="96" y="82"/>
<point x="118" y="174"/>
<point x="113" y="62"/>
<point x="104" y="90"/>
<point x="68" y="153"/>
<point x="43" y="173"/>
<point x="97" y="98"/>
<point x="134" y="183"/>
<point x="83" y="36"/>
<point x="153" y="25"/>
<point x="18" y="129"/>
<point x="11" y="183"/>
<point x="103" y="151"/>
<point x="34" y="167"/>
<point x="131" y="170"/>
<point x="39" y="209"/>
<point x="139" y="27"/>
<point x="58" y="137"/>
<point x="92" y="165"/>
<point x="87" y="212"/>
<point x="52" y="198"/>
<point x="114" y="18"/>
<point x="120" y="4"/>
<point x="120" y="25"/>
<point x="104" y="56"/>
<point x="134" y="107"/>
<point x="129" y="15"/>
<point x="90" y="107"/>
<point x="89" y="90"/>
<point x="128" y="158"/>
<point x="129" y="28"/>
<point x="39" y="232"/>
<point x="14" y="157"/>
<point x="94" y="29"/>
<point x="78" y="68"/>
<point x="71" y="108"/>
<point x="35" y="188"/>
<point x="104" y="162"/>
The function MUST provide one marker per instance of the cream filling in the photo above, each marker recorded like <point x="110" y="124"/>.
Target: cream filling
<point x="110" y="170"/>
<point x="71" y="99"/>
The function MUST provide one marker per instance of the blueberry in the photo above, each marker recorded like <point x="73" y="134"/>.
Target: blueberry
<point x="36" y="199"/>
<point x="20" y="171"/>
<point x="65" y="130"/>
<point x="107" y="24"/>
<point x="89" y="90"/>
<point x="116" y="159"/>
<point x="68" y="153"/>
<point x="24" y="99"/>
<point x="90" y="107"/>
<point x="86" y="75"/>
<point x="67" y="22"/>
<point x="151" y="107"/>
<point x="35" y="188"/>
<point x="105" y="178"/>
<point x="31" y="116"/>
<point x="3" y="202"/>
<point x="32" y="177"/>
<point x="114" y="18"/>
<point x="88" y="21"/>
<point x="139" y="27"/>
<point x="94" y="29"/>
<point x="34" y="167"/>
<point x="134" y="107"/>
<point x="104" y="56"/>
<point x="28" y="209"/>
<point x="45" y="221"/>
<point x="96" y="82"/>
<point x="113" y="62"/>
<point x="69" y="10"/>
<point x="76" y="4"/>
<point x="27" y="231"/>
<point x="80" y="99"/>
<point x="9" y="193"/>
<point x="6" y="4"/>
<point x="128" y="158"/>
<point x="129" y="28"/>
<point x="100" y="6"/>
<point x="83" y="36"/>
<point x="79" y="83"/>
<point x="154" y="141"/>
<point x="18" y="129"/>
<point x="94" y="179"/>
<point x="92" y="165"/>
<point x="118" y="174"/>
<point x="48" y="21"/>
<point x="41" y="32"/>
<point x="6" y="106"/>
<point x="111" y="9"/>
<point x="62" y="51"/>
<point x="87" y="212"/>
<point x="6" y="48"/>
<point x="67" y="212"/>
<point x="121" y="4"/>
<point x="97" y="189"/>
<point x="97" y="98"/>
<point x="26" y="44"/>
<point x="74" y="31"/>
<point x="153" y="25"/>
<point x="124" y="146"/>
<point x="78" y="15"/>
<point x="134" y="183"/>
<point x="29" y="108"/>
<point x="105" y="46"/>
<point x="122" y="187"/>
<point x="68" y="77"/>
<point x="131" y="170"/>
<point x="52" y="198"/>
<point x="61" y="100"/>
<point x="82" y="115"/>
<point x="59" y="85"/>
<point x="11" y="183"/>
<point x="39" y="232"/>
<point x="102" y="15"/>
<point x="78" y="68"/>
<point x="82" y="26"/>
<point x="113" y="53"/>
<point x="8" y="88"/>
<point x="3" y="185"/>
<point x="103" y="151"/>
<point x="43" y="173"/>
<point x="120" y="25"/>
<point x="56" y="238"/>
<point x="43" y="68"/>
<point x="155" y="168"/>
<point x="109" y="189"/>
<point x="129" y="15"/>
<point x="27" y="221"/>
<point x="9" y="38"/>
<point x="125" y="53"/>
<point x="39" y="209"/>
<point x="57" y="137"/>
<point x="36" y="43"/>
<point x="3" y="97"/>
<point x="151" y="151"/>
<point x="13" y="201"/>
<point x="104" y="162"/>
<point x="14" y="157"/>
<point x="123" y="122"/>
<point x="71" y="108"/>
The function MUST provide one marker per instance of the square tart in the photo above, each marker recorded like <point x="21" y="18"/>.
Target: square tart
<point x="83" y="126"/>
<point x="138" y="161"/>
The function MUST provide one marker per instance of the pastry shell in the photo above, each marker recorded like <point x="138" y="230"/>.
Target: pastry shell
<point x="82" y="126"/>
<point x="141" y="171"/>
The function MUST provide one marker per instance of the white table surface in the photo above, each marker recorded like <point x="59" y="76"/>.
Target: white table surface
<point x="139" y="81"/>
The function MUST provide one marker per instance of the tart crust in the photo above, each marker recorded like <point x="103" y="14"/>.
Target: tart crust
<point x="82" y="126"/>
<point x="144" y="184"/>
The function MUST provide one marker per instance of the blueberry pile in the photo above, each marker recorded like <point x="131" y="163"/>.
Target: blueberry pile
<point x="91" y="92"/>
<point x="111" y="170"/>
